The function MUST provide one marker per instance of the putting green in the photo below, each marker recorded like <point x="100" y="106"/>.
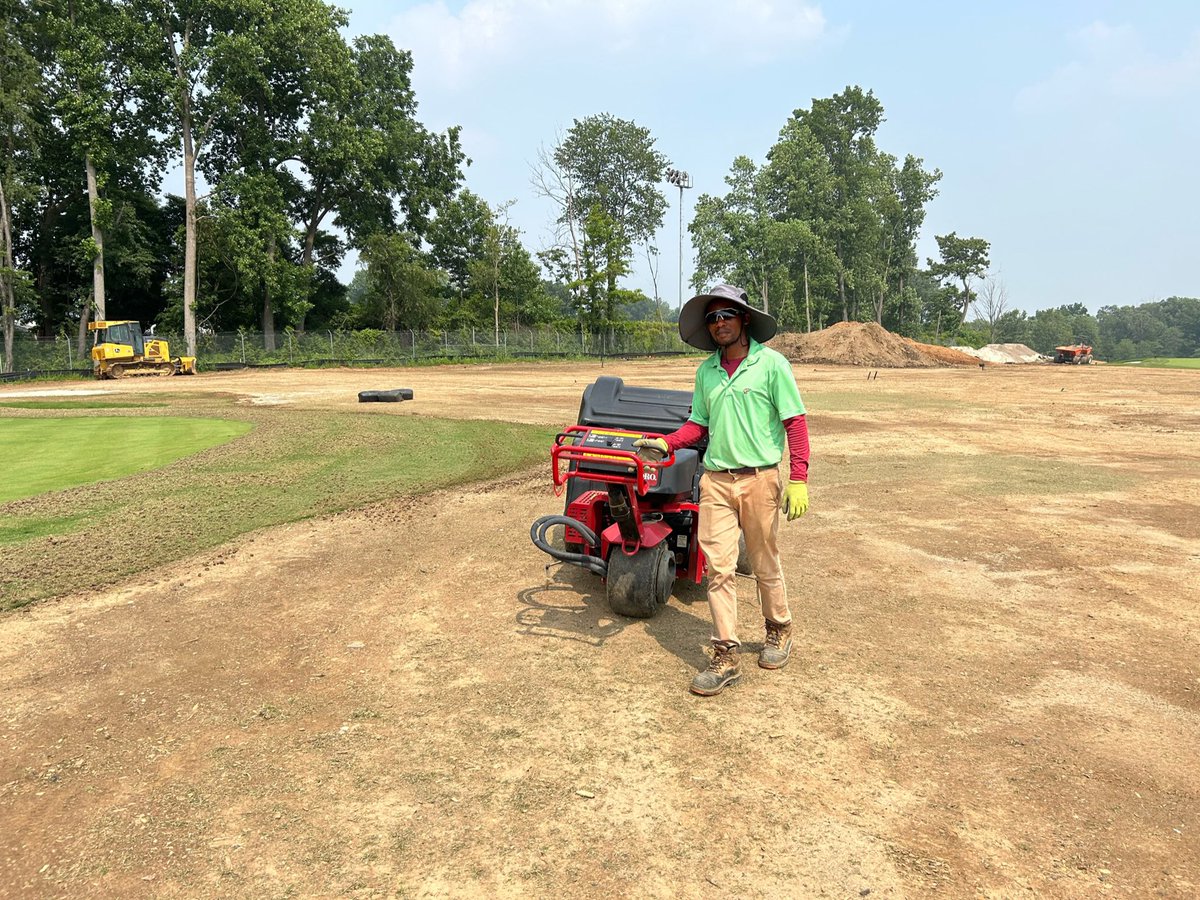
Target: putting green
<point x="53" y="454"/>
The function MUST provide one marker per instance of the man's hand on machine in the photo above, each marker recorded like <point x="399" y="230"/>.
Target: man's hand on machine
<point x="795" y="500"/>
<point x="652" y="449"/>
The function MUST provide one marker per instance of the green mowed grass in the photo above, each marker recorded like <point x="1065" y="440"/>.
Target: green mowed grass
<point x="52" y="454"/>
<point x="292" y="465"/>
<point x="74" y="404"/>
<point x="1163" y="362"/>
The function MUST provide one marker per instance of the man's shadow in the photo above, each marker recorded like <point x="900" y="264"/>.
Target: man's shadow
<point x="572" y="606"/>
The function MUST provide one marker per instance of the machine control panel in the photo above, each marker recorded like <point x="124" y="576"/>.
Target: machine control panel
<point x="610" y="439"/>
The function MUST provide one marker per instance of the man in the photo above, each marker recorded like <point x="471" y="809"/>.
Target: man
<point x="745" y="402"/>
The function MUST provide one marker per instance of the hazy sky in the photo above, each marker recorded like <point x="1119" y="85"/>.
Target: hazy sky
<point x="1068" y="133"/>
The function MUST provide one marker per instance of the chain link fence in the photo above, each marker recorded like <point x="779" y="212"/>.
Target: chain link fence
<point x="34" y="356"/>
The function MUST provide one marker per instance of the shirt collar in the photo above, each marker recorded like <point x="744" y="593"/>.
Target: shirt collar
<point x="755" y="346"/>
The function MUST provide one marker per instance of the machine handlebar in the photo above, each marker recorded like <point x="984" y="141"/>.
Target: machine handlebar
<point x="605" y="446"/>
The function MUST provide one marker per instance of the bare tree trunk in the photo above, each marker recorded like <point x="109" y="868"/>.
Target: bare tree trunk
<point x="179" y="55"/>
<point x="8" y="303"/>
<point x="306" y="261"/>
<point x="189" y="246"/>
<point x="993" y="299"/>
<point x="652" y="265"/>
<point x="496" y="296"/>
<point x="549" y="181"/>
<point x="97" y="237"/>
<point x="842" y="295"/>
<point x="85" y="316"/>
<point x="807" y="303"/>
<point x="765" y="292"/>
<point x="268" y="312"/>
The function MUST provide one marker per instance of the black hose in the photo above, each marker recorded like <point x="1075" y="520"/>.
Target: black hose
<point x="537" y="534"/>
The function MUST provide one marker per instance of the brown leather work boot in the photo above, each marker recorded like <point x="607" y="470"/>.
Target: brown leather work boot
<point x="777" y="646"/>
<point x="721" y="672"/>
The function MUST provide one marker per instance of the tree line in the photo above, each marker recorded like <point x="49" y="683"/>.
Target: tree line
<point x="293" y="129"/>
<point x="298" y="145"/>
<point x="826" y="228"/>
<point x="1164" y="328"/>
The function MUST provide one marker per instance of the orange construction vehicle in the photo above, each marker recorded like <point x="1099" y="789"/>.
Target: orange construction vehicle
<point x="1073" y="354"/>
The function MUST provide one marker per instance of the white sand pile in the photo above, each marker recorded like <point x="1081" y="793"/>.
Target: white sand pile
<point x="1002" y="354"/>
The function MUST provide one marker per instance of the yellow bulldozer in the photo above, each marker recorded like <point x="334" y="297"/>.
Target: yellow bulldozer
<point x="119" y="348"/>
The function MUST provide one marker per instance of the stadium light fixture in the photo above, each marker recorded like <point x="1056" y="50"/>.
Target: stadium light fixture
<point x="681" y="180"/>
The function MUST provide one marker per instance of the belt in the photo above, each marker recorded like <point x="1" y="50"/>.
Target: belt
<point x="744" y="470"/>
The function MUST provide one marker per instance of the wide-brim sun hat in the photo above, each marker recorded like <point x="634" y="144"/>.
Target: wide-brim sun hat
<point x="694" y="330"/>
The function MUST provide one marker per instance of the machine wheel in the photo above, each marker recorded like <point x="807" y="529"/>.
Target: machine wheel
<point x="743" y="561"/>
<point x="116" y="370"/>
<point x="640" y="585"/>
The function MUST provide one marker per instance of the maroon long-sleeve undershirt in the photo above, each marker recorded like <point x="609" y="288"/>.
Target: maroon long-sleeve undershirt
<point x="797" y="435"/>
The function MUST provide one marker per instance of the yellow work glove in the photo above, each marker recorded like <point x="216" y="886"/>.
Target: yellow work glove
<point x="657" y="448"/>
<point x="795" y="500"/>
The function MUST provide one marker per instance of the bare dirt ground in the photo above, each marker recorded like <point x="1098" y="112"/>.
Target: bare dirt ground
<point x="996" y="690"/>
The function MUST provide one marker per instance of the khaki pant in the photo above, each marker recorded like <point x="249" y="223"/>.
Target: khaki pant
<point x="748" y="504"/>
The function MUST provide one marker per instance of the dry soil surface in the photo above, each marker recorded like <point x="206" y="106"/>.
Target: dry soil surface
<point x="995" y="690"/>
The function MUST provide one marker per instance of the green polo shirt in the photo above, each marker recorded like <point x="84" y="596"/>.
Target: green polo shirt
<point x="744" y="414"/>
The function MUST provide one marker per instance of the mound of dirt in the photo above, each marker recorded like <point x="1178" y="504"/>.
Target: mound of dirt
<point x="866" y="344"/>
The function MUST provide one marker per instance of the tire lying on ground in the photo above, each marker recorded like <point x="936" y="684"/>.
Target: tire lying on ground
<point x="393" y="396"/>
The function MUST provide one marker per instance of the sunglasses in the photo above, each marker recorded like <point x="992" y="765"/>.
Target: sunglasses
<point x="721" y="315"/>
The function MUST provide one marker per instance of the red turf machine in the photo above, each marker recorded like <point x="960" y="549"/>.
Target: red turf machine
<point x="630" y="519"/>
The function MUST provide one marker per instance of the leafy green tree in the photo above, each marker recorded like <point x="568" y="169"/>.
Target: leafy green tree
<point x="457" y="236"/>
<point x="1012" y="327"/>
<point x="490" y="275"/>
<point x="605" y="175"/>
<point x="962" y="259"/>
<point x="94" y="108"/>
<point x="176" y="48"/>
<point x="1068" y="324"/>
<point x="843" y="127"/>
<point x="82" y="100"/>
<point x="365" y="156"/>
<point x="937" y="304"/>
<point x="524" y="299"/>
<point x="484" y="270"/>
<point x="20" y="87"/>
<point x="1048" y="329"/>
<point x="740" y="240"/>
<point x="1182" y="313"/>
<point x="252" y="209"/>
<point x="1164" y="328"/>
<point x="651" y="310"/>
<point x="401" y="289"/>
<point x="801" y="188"/>
<point x="277" y="64"/>
<point x="829" y="223"/>
<point x="902" y="200"/>
<point x="232" y="77"/>
<point x="99" y="120"/>
<point x="616" y="167"/>
<point x="605" y="260"/>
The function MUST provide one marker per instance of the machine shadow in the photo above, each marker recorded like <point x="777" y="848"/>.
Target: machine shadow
<point x="572" y="606"/>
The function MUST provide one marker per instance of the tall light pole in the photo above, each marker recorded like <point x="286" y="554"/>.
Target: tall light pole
<point x="681" y="180"/>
